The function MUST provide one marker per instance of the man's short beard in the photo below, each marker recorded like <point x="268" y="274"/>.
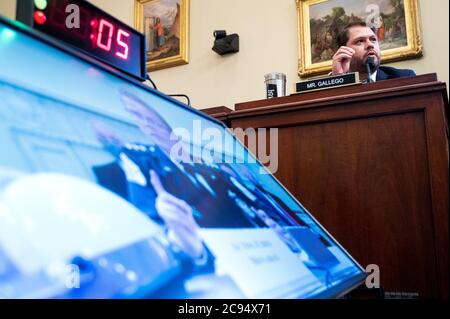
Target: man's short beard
<point x="361" y="67"/>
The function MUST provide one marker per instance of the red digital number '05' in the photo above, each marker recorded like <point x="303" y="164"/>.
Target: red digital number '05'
<point x="106" y="29"/>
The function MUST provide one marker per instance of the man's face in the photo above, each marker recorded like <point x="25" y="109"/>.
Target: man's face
<point x="365" y="43"/>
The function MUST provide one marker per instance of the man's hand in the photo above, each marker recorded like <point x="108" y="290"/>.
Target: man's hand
<point x="177" y="214"/>
<point x="341" y="60"/>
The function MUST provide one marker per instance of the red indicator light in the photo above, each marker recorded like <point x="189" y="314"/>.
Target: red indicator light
<point x="103" y="24"/>
<point x="94" y="23"/>
<point x="39" y="17"/>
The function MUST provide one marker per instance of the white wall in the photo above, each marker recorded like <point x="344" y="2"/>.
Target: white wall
<point x="268" y="43"/>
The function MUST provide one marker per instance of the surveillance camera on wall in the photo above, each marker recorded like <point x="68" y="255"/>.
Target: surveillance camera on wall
<point x="224" y="44"/>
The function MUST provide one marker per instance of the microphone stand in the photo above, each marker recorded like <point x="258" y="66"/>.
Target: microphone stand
<point x="370" y="62"/>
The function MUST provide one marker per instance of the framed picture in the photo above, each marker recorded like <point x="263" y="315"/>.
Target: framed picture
<point x="165" y="24"/>
<point x="396" y="22"/>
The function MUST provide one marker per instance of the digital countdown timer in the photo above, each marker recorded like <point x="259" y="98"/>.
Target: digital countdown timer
<point x="90" y="30"/>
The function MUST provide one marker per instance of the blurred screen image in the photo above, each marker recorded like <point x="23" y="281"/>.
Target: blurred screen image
<point x="111" y="190"/>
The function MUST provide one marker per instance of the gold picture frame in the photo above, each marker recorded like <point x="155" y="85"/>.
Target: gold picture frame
<point x="319" y="20"/>
<point x="165" y="24"/>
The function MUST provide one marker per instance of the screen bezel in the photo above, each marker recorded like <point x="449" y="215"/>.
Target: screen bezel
<point x="334" y="292"/>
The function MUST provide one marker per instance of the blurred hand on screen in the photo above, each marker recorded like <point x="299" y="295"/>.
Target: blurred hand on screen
<point x="178" y="217"/>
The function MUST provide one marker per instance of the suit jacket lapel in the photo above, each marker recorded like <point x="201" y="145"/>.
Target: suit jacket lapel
<point x="381" y="75"/>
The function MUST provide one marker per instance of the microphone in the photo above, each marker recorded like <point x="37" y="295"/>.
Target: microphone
<point x="370" y="63"/>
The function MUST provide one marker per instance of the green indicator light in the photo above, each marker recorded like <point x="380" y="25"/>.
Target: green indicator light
<point x="40" y="4"/>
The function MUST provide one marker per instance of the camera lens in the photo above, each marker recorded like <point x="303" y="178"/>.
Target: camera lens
<point x="219" y="34"/>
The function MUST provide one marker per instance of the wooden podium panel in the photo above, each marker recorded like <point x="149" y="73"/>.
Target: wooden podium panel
<point x="370" y="162"/>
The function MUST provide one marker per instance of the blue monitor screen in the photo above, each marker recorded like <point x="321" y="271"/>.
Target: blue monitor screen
<point x="109" y="189"/>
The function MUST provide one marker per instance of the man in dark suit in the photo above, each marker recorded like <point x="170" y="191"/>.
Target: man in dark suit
<point x="136" y="174"/>
<point x="387" y="72"/>
<point x="357" y="43"/>
<point x="133" y="175"/>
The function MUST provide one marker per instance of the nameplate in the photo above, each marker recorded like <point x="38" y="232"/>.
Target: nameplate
<point x="327" y="82"/>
